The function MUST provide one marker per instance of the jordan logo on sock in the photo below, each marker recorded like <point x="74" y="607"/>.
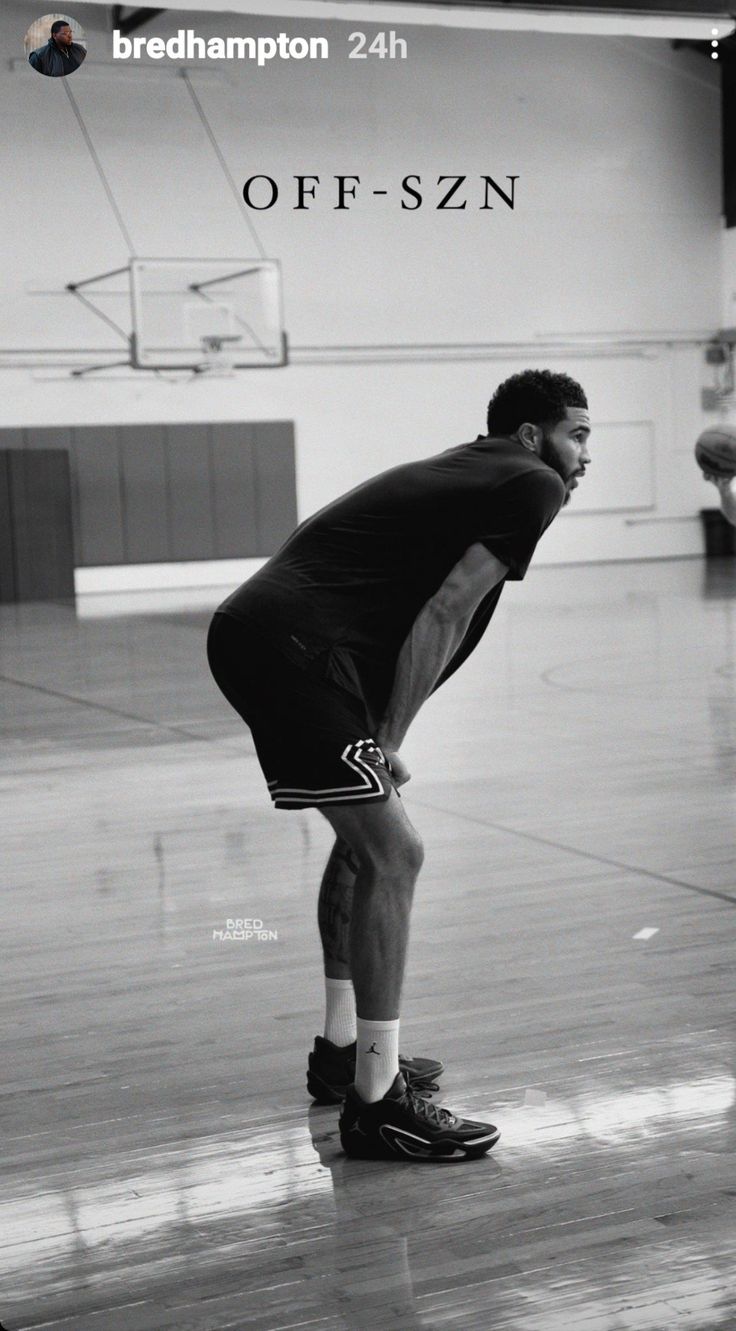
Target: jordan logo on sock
<point x="373" y="1050"/>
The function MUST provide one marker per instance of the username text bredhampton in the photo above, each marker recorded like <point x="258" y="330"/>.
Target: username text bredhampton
<point x="186" y="45"/>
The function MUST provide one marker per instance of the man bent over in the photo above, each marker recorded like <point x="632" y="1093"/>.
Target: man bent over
<point x="328" y="653"/>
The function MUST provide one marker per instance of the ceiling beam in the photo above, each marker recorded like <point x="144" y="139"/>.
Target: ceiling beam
<point x="135" y="18"/>
<point x="664" y="19"/>
<point x="692" y="8"/>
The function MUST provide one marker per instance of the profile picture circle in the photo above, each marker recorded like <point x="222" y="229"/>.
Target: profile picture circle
<point x="55" y="45"/>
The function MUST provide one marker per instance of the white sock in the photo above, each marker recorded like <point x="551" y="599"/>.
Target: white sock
<point x="339" y="1011"/>
<point x="377" y="1061"/>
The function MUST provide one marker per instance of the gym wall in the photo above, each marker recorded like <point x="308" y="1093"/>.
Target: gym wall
<point x="172" y="494"/>
<point x="616" y="235"/>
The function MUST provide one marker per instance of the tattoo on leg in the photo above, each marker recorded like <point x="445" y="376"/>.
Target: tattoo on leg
<point x="336" y="903"/>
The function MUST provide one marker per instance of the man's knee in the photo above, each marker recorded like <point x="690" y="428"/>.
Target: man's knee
<point x="381" y="839"/>
<point x="402" y="853"/>
<point x="415" y="852"/>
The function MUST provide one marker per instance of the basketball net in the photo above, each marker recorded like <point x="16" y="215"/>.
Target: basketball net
<point x="220" y="355"/>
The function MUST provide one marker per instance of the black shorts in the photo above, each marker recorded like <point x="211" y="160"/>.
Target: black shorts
<point x="313" y="738"/>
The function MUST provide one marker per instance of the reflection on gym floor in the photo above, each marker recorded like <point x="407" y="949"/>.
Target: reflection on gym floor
<point x="571" y="963"/>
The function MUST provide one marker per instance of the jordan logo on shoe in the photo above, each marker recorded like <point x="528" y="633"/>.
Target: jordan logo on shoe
<point x="373" y="1050"/>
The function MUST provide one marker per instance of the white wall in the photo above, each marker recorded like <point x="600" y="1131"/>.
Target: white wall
<point x="616" y="234"/>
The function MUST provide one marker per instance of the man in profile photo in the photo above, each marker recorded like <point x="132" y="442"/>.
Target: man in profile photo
<point x="61" y="55"/>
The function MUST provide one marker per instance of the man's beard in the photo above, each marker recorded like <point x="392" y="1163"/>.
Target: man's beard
<point x="547" y="455"/>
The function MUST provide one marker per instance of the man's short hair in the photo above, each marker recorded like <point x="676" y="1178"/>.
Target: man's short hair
<point x="58" y="25"/>
<point x="538" y="396"/>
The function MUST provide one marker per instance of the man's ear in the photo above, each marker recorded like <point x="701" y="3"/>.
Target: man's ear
<point x="530" y="436"/>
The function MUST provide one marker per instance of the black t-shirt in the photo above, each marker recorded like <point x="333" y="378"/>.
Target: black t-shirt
<point x="342" y="593"/>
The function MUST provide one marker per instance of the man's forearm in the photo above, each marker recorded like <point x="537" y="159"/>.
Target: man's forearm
<point x="435" y="636"/>
<point x="431" y="644"/>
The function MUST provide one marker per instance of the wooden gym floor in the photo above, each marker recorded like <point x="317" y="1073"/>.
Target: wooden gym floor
<point x="574" y="785"/>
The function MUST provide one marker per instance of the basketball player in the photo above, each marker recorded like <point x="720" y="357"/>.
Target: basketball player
<point x="61" y="55"/>
<point x="328" y="653"/>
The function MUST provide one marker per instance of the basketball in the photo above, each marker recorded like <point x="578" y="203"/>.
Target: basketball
<point x="715" y="450"/>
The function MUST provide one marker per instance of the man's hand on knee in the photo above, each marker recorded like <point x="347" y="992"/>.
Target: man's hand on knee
<point x="397" y="765"/>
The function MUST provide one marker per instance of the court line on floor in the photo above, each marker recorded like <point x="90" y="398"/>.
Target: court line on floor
<point x="111" y="711"/>
<point x="582" y="854"/>
<point x="470" y="818"/>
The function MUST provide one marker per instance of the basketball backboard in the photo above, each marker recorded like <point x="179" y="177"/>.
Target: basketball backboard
<point x="206" y="313"/>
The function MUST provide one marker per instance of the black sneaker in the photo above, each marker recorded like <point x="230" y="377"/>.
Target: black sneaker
<point x="405" y="1126"/>
<point x="332" y="1069"/>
